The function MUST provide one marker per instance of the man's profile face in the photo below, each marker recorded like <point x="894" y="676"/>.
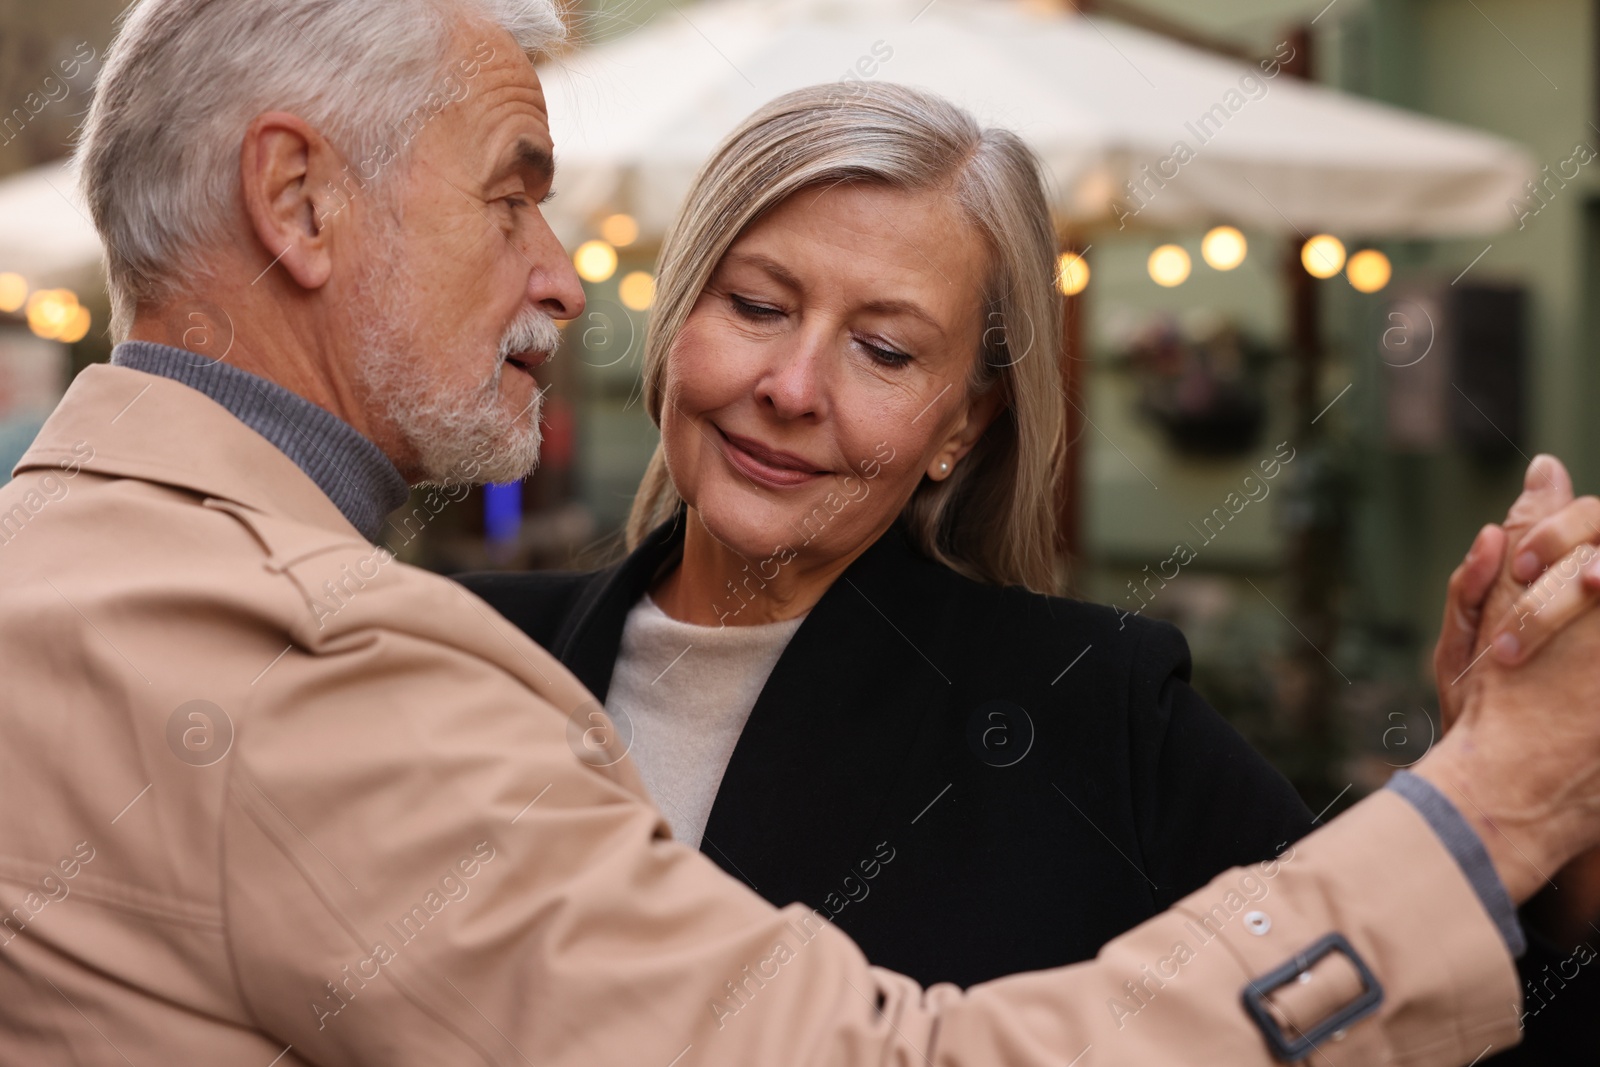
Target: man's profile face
<point x="460" y="292"/>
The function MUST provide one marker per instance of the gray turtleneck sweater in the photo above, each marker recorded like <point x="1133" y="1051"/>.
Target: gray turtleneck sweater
<point x="355" y="474"/>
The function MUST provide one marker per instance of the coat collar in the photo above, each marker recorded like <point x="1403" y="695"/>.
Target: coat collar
<point x="590" y="638"/>
<point x="588" y="642"/>
<point x="820" y="768"/>
<point x="353" y="472"/>
<point x="856" y="692"/>
<point x="123" y="423"/>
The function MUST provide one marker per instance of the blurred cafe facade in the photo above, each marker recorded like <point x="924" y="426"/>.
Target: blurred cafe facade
<point x="1285" y="438"/>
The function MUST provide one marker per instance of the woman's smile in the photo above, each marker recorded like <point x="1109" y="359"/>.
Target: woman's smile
<point x="765" y="466"/>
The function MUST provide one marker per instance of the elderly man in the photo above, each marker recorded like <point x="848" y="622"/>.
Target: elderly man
<point x="269" y="796"/>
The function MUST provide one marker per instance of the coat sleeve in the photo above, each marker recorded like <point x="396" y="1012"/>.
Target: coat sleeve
<point x="419" y="869"/>
<point x="1204" y="799"/>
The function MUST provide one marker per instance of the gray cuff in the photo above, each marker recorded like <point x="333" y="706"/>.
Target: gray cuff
<point x="1467" y="848"/>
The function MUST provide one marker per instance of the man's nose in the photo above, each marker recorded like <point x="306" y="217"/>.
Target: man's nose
<point x="553" y="284"/>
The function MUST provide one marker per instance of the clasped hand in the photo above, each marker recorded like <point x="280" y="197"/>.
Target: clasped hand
<point x="1518" y="668"/>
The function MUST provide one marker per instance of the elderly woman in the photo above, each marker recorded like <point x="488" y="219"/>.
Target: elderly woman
<point x="834" y="647"/>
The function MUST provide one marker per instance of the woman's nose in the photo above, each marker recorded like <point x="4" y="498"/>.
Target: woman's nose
<point x="795" y="384"/>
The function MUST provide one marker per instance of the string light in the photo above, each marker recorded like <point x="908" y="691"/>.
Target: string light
<point x="637" y="291"/>
<point x="55" y="315"/>
<point x="13" y="292"/>
<point x="620" y="230"/>
<point x="1169" y="266"/>
<point x="1323" y="256"/>
<point x="596" y="261"/>
<point x="1369" y="270"/>
<point x="1072" y="273"/>
<point x="77" y="329"/>
<point x="1224" y="248"/>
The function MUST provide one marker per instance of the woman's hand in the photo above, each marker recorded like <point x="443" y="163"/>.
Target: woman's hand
<point x="1468" y="591"/>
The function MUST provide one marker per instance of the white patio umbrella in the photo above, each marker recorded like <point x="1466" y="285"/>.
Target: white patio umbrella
<point x="45" y="232"/>
<point x="634" y="118"/>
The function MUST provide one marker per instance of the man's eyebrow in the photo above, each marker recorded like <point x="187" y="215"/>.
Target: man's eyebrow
<point x="528" y="156"/>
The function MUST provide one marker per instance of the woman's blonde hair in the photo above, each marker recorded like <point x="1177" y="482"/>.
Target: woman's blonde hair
<point x="994" y="518"/>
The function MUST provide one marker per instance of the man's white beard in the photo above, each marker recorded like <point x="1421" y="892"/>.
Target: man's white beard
<point x="458" y="434"/>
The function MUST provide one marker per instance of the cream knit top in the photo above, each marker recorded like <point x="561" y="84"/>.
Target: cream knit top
<point x="687" y="690"/>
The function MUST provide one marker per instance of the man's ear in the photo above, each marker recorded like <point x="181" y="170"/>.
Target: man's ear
<point x="286" y="172"/>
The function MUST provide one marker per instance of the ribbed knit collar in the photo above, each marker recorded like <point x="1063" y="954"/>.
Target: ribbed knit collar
<point x="351" y="470"/>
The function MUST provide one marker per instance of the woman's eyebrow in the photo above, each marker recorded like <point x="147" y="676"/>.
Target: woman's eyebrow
<point x="903" y="307"/>
<point x="777" y="270"/>
<point x="784" y="276"/>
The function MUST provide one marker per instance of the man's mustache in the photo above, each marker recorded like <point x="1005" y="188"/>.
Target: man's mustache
<point x="534" y="331"/>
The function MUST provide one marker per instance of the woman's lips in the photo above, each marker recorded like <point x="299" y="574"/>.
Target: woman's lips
<point x="767" y="466"/>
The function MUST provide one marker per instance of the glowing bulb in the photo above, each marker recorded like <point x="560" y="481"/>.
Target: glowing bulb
<point x="1072" y="273"/>
<point x="77" y="329"/>
<point x="41" y="320"/>
<point x="51" y="312"/>
<point x="1224" y="248"/>
<point x="13" y="292"/>
<point x="620" y="230"/>
<point x="596" y="261"/>
<point x="1169" y="266"/>
<point x="1323" y="256"/>
<point x="637" y="291"/>
<point x="1368" y="270"/>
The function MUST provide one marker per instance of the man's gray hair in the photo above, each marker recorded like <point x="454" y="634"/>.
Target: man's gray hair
<point x="159" y="157"/>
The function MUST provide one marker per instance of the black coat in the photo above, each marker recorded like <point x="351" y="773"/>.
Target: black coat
<point x="973" y="780"/>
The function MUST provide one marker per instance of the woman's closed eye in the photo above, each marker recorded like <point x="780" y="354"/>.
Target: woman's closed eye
<point x="753" y="310"/>
<point x="889" y="357"/>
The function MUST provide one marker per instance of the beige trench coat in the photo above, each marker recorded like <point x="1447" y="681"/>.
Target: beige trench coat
<point x="268" y="796"/>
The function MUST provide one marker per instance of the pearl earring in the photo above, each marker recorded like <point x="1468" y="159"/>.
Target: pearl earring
<point x="944" y="466"/>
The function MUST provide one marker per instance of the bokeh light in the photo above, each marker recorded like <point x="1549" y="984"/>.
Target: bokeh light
<point x="596" y="261"/>
<point x="1169" y="266"/>
<point x="1323" y="256"/>
<point x="1224" y="248"/>
<point x="1072" y="273"/>
<point x="77" y="329"/>
<point x="1369" y="270"/>
<point x="637" y="291"/>
<point x="13" y="292"/>
<point x="54" y="313"/>
<point x="620" y="230"/>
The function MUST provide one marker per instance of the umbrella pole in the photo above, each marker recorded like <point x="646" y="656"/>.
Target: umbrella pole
<point x="1314" y="566"/>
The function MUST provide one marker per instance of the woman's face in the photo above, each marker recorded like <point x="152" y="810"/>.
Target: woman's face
<point x="822" y="373"/>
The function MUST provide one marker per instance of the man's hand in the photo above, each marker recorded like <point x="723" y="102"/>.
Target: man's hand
<point x="1547" y="536"/>
<point x="1558" y="561"/>
<point x="1522" y="762"/>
